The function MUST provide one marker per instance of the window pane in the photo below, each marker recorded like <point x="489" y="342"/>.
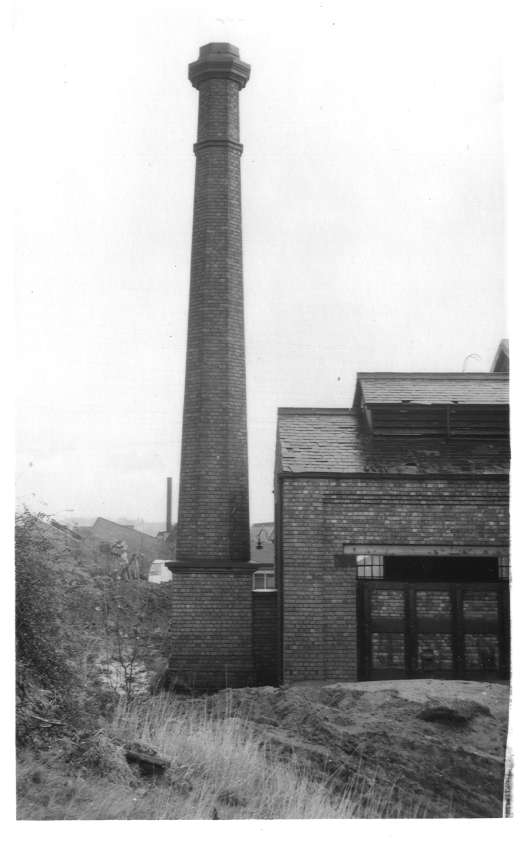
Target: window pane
<point x="369" y="566"/>
<point x="363" y="559"/>
<point x="503" y="567"/>
<point x="263" y="580"/>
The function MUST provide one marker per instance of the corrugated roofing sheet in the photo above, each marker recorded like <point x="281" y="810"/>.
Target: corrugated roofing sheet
<point x="434" y="388"/>
<point x="334" y="441"/>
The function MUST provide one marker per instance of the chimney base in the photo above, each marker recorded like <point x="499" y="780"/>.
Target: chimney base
<point x="211" y="627"/>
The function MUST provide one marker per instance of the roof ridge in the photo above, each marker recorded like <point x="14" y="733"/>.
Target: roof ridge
<point x="285" y="411"/>
<point x="120" y="525"/>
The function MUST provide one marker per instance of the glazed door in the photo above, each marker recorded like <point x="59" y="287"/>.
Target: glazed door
<point x="430" y="630"/>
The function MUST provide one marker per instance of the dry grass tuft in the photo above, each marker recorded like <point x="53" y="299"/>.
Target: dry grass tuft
<point x="220" y="769"/>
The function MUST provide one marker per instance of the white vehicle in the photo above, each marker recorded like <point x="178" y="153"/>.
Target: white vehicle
<point x="159" y="572"/>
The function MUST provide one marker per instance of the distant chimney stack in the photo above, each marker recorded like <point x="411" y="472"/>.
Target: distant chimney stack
<point x="169" y="505"/>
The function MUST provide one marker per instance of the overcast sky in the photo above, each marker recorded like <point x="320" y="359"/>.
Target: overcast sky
<point x="372" y="214"/>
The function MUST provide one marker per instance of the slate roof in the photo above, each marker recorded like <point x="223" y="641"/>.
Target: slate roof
<point x="101" y="524"/>
<point x="432" y="388"/>
<point x="333" y="440"/>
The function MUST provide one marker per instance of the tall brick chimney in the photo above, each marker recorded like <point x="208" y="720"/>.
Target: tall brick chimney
<point x="213" y="520"/>
<point x="211" y="627"/>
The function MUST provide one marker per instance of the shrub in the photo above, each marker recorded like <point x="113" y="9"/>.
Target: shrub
<point x="82" y="636"/>
<point x="40" y="654"/>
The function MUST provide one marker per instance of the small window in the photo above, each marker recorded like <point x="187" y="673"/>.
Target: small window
<point x="263" y="580"/>
<point x="503" y="567"/>
<point x="370" y="566"/>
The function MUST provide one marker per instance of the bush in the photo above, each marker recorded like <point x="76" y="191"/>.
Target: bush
<point x="83" y="637"/>
<point x="40" y="654"/>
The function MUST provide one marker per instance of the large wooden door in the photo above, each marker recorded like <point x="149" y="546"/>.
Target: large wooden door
<point x="429" y="630"/>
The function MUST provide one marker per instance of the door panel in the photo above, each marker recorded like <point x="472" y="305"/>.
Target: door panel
<point x="434" y="652"/>
<point x="450" y="630"/>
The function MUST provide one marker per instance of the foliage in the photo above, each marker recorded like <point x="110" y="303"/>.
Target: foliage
<point x="98" y="753"/>
<point x="83" y="637"/>
<point x="40" y="650"/>
<point x="134" y="633"/>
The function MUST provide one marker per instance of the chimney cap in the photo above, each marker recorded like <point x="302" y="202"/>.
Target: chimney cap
<point x="218" y="60"/>
<point x="217" y="47"/>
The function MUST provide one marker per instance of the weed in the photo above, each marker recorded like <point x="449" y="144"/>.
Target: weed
<point x="218" y="770"/>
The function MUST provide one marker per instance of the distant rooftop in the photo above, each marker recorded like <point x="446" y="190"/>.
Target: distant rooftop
<point x="101" y="523"/>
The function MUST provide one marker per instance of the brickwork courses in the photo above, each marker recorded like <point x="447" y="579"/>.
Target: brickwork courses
<point x="265" y="638"/>
<point x="213" y="505"/>
<point x="321" y="515"/>
<point x="211" y="628"/>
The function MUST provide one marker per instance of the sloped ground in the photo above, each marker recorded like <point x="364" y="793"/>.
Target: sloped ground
<point x="423" y="748"/>
<point x="435" y="745"/>
<point x="368" y="750"/>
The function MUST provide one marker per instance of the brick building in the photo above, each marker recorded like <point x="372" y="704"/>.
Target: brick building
<point x="391" y="517"/>
<point x="392" y="530"/>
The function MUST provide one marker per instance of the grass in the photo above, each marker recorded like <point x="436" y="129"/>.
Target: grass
<point x="219" y="769"/>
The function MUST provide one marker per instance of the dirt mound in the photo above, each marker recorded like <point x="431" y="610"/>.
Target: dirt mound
<point x="438" y="744"/>
<point x="453" y="715"/>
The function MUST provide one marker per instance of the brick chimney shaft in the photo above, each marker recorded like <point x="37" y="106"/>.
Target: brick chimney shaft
<point x="168" y="525"/>
<point x="213" y="519"/>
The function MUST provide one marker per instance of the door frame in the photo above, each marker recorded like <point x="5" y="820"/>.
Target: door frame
<point x="457" y="628"/>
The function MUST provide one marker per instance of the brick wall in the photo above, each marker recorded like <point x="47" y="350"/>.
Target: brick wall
<point x="319" y="611"/>
<point x="211" y="628"/>
<point x="399" y="511"/>
<point x="320" y="515"/>
<point x="265" y="638"/>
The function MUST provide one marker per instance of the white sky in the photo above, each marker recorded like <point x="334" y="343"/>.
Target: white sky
<point x="372" y="212"/>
